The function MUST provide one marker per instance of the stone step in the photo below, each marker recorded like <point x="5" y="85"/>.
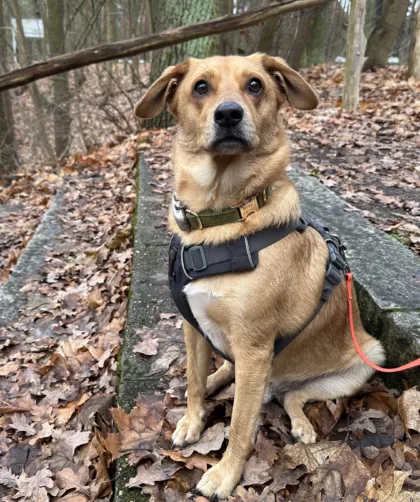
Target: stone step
<point x="30" y="262"/>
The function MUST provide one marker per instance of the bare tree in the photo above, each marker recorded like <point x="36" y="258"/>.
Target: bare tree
<point x="35" y="94"/>
<point x="355" y="51"/>
<point x="61" y="89"/>
<point x="8" y="149"/>
<point x="383" y="36"/>
<point x="414" y="64"/>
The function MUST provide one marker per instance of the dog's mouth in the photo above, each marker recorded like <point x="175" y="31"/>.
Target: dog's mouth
<point x="230" y="144"/>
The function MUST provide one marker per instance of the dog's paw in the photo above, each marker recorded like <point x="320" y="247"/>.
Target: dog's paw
<point x="188" y="430"/>
<point x="302" y="429"/>
<point x="219" y="481"/>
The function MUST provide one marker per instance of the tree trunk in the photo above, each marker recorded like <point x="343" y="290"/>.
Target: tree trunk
<point x="383" y="36"/>
<point x="111" y="31"/>
<point x="373" y="14"/>
<point x="314" y="52"/>
<point x="35" y="94"/>
<point x="8" y="149"/>
<point x="300" y="37"/>
<point x="62" y="121"/>
<point x="414" y="65"/>
<point x="356" y="43"/>
<point x="267" y="34"/>
<point x="133" y="20"/>
<point x="170" y="14"/>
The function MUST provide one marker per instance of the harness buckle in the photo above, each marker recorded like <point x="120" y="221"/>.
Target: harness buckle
<point x="248" y="208"/>
<point x="198" y="258"/>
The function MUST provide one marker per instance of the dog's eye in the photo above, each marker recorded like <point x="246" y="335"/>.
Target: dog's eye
<point x="201" y="87"/>
<point x="255" y="85"/>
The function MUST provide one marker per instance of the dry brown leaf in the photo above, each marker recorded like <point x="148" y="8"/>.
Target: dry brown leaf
<point x="211" y="440"/>
<point x="256" y="472"/>
<point x="68" y="479"/>
<point x="73" y="497"/>
<point x="243" y="495"/>
<point x="388" y="488"/>
<point x="266" y="449"/>
<point x="159" y="471"/>
<point x="195" y="460"/>
<point x="330" y="456"/>
<point x="69" y="441"/>
<point x="95" y="299"/>
<point x="283" y="476"/>
<point x="324" y="415"/>
<point x="10" y="367"/>
<point x="140" y="429"/>
<point x="7" y="478"/>
<point x="409" y="409"/>
<point x="148" y="347"/>
<point x="164" y="316"/>
<point x="225" y="393"/>
<point x="34" y="488"/>
<point x="46" y="431"/>
<point x="21" y="424"/>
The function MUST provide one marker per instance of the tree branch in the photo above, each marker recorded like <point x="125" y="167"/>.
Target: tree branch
<point x="136" y="46"/>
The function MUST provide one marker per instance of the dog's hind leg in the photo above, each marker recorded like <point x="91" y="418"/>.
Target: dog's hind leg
<point x="332" y="386"/>
<point x="224" y="375"/>
<point x="188" y="429"/>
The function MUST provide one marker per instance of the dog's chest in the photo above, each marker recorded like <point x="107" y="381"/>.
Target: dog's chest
<point x="200" y="301"/>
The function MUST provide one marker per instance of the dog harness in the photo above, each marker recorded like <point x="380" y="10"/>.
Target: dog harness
<point x="187" y="264"/>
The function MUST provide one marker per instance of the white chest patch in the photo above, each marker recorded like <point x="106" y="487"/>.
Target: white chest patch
<point x="199" y="301"/>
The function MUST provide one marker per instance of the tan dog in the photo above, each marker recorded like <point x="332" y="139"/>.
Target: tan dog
<point x="222" y="156"/>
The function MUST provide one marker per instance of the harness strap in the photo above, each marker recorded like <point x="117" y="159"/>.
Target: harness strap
<point x="336" y="265"/>
<point x="239" y="255"/>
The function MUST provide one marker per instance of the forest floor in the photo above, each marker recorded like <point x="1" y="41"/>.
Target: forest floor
<point x="58" y="361"/>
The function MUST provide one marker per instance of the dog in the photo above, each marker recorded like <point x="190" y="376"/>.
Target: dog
<point x="230" y="145"/>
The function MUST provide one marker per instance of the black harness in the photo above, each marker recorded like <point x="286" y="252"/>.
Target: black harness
<point x="241" y="255"/>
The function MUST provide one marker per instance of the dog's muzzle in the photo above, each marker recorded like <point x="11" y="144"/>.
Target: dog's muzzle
<point x="229" y="136"/>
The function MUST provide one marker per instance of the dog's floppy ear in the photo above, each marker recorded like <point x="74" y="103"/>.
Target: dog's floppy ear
<point x="298" y="92"/>
<point x="160" y="92"/>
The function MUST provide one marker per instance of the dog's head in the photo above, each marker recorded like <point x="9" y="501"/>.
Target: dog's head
<point x="227" y="105"/>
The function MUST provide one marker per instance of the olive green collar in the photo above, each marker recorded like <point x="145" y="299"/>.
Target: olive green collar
<point x="189" y="220"/>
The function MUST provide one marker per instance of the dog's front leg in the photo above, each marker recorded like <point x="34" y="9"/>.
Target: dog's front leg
<point x="252" y="370"/>
<point x="188" y="429"/>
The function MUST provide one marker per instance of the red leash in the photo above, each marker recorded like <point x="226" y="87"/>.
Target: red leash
<point x="413" y="364"/>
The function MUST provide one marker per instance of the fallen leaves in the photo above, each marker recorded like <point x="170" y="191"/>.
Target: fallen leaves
<point x="58" y="360"/>
<point x="370" y="156"/>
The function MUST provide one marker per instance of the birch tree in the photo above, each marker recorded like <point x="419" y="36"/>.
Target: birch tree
<point x="414" y="64"/>
<point x="355" y="51"/>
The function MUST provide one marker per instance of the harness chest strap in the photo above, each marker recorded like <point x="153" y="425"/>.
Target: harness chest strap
<point x="240" y="255"/>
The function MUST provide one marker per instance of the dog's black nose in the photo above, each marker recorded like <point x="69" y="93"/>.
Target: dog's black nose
<point x="228" y="114"/>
